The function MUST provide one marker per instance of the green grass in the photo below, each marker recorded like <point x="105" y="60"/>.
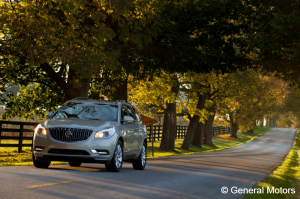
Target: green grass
<point x="10" y="156"/>
<point x="286" y="176"/>
<point x="221" y="142"/>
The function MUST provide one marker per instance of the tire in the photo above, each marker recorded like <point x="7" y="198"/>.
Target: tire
<point x="74" y="164"/>
<point x="40" y="163"/>
<point x="116" y="163"/>
<point x="140" y="162"/>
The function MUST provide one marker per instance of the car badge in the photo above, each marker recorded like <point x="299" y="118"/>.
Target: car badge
<point x="68" y="134"/>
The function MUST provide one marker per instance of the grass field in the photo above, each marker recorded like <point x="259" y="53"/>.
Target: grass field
<point x="9" y="156"/>
<point x="285" y="176"/>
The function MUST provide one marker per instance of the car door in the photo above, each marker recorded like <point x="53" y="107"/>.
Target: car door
<point x="128" y="133"/>
<point x="136" y="128"/>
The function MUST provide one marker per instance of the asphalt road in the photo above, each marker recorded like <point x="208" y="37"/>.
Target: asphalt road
<point x="189" y="176"/>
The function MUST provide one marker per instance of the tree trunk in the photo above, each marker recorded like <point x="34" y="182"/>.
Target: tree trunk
<point x="269" y="122"/>
<point x="252" y="130"/>
<point x="199" y="131"/>
<point x="198" y="136"/>
<point x="76" y="86"/>
<point x="121" y="91"/>
<point x="261" y="122"/>
<point x="194" y="123"/>
<point x="208" y="130"/>
<point x="233" y="126"/>
<point x="169" y="125"/>
<point x="190" y="132"/>
<point x="78" y="89"/>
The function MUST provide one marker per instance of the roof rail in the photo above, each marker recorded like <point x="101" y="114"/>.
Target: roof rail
<point x="80" y="98"/>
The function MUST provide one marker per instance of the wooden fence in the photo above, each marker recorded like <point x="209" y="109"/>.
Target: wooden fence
<point x="10" y="130"/>
<point x="155" y="132"/>
<point x="220" y="130"/>
<point x="20" y="131"/>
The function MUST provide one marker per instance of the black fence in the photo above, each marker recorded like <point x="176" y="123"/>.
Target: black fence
<point x="10" y="130"/>
<point x="220" y="130"/>
<point x="155" y="132"/>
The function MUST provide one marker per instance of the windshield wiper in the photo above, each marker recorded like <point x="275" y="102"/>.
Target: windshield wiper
<point x="92" y="119"/>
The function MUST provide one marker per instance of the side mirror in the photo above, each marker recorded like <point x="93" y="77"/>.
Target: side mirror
<point x="48" y="115"/>
<point x="128" y="119"/>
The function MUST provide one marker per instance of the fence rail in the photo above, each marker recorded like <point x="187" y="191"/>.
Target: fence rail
<point x="155" y="132"/>
<point x="221" y="130"/>
<point x="11" y="130"/>
<point x="20" y="131"/>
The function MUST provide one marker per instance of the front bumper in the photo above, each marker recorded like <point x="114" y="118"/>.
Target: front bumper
<point x="53" y="150"/>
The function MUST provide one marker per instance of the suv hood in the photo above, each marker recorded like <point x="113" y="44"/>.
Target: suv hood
<point x="78" y="123"/>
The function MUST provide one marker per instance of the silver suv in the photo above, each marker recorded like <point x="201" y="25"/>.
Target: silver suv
<point x="92" y="131"/>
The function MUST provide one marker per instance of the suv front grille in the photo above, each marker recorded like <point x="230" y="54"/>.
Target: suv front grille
<point x="70" y="134"/>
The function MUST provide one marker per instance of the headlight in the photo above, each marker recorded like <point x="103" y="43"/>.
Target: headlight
<point x="105" y="133"/>
<point x="41" y="131"/>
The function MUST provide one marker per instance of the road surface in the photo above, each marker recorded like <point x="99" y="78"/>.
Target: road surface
<point x="188" y="176"/>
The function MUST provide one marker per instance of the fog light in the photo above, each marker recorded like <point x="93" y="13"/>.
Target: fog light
<point x="99" y="151"/>
<point x="39" y="148"/>
<point x="93" y="151"/>
<point x="102" y="153"/>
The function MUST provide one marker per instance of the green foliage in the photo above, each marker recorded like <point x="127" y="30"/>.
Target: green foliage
<point x="251" y="95"/>
<point x="34" y="100"/>
<point x="62" y="45"/>
<point x="201" y="36"/>
<point x="151" y="95"/>
<point x="276" y="40"/>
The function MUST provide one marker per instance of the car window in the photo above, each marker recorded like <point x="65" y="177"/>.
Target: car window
<point x="131" y="112"/>
<point x="91" y="111"/>
<point x="137" y="115"/>
<point x="123" y="112"/>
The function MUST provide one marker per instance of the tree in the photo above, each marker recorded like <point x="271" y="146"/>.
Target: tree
<point x="275" y="39"/>
<point x="250" y="96"/>
<point x="159" y="95"/>
<point x="202" y="91"/>
<point x="64" y="45"/>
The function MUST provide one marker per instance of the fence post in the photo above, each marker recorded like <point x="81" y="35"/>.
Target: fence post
<point x="20" y="138"/>
<point x="151" y="133"/>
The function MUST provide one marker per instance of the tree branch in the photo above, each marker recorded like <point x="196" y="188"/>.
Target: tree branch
<point x="61" y="70"/>
<point x="54" y="76"/>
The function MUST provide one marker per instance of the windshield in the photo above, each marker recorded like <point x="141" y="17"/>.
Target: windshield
<point x="103" y="112"/>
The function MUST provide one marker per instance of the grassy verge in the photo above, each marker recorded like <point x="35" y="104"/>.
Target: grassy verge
<point x="9" y="156"/>
<point x="285" y="176"/>
<point x="221" y="142"/>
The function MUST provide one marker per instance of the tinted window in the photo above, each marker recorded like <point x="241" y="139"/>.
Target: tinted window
<point x="131" y="113"/>
<point x="137" y="115"/>
<point x="123" y="111"/>
<point x="88" y="111"/>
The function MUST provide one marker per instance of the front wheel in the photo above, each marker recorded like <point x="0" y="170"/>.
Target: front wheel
<point x="140" y="162"/>
<point x="40" y="163"/>
<point x="116" y="163"/>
